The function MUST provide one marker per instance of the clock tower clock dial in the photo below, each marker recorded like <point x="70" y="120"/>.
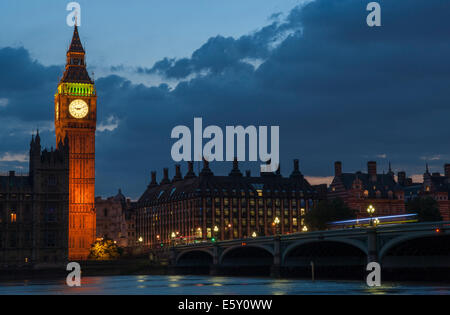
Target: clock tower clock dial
<point x="75" y="122"/>
<point x="78" y="109"/>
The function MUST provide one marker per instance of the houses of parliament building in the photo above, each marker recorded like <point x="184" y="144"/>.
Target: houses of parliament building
<point x="48" y="216"/>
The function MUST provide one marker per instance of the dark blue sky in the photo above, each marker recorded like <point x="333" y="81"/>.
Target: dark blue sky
<point x="338" y="89"/>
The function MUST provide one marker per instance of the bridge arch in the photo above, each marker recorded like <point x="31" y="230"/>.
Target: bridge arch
<point x="391" y="244"/>
<point x="195" y="257"/>
<point x="354" y="243"/>
<point x="262" y="252"/>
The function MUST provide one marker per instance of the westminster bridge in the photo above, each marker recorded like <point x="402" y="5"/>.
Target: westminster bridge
<point x="423" y="246"/>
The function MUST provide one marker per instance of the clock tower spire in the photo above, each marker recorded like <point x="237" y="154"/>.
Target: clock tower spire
<point x="75" y="123"/>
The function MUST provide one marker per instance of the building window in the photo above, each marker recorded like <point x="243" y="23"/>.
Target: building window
<point x="50" y="214"/>
<point x="105" y="212"/>
<point x="13" y="239"/>
<point x="50" y="238"/>
<point x="52" y="181"/>
<point x="13" y="216"/>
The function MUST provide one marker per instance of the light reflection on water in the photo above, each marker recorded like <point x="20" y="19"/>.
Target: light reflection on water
<point x="198" y="285"/>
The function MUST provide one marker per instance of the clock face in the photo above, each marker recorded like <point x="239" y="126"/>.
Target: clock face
<point x="78" y="109"/>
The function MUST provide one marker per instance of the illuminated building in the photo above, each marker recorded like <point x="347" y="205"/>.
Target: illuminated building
<point x="34" y="210"/>
<point x="116" y="220"/>
<point x="75" y="118"/>
<point x="360" y="190"/>
<point x="437" y="186"/>
<point x="204" y="207"/>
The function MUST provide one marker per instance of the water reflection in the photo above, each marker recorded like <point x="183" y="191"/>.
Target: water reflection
<point x="197" y="285"/>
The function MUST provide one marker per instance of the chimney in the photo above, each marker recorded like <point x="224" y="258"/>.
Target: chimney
<point x="296" y="172"/>
<point x="337" y="168"/>
<point x="447" y="170"/>
<point x="401" y="178"/>
<point x="178" y="175"/>
<point x="296" y="166"/>
<point x="190" y="173"/>
<point x="206" y="171"/>
<point x="278" y="172"/>
<point x="166" y="177"/>
<point x="153" y="182"/>
<point x="235" y="171"/>
<point x="372" y="170"/>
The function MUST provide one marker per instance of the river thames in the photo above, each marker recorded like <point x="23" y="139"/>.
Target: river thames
<point x="205" y="285"/>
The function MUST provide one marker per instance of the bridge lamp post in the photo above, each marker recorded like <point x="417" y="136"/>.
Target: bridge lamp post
<point x="376" y="222"/>
<point x="216" y="231"/>
<point x="371" y="211"/>
<point x="254" y="235"/>
<point x="228" y="229"/>
<point x="140" y="240"/>
<point x="275" y="223"/>
<point x="173" y="235"/>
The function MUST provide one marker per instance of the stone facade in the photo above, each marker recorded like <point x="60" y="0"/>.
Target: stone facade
<point x="359" y="190"/>
<point x="196" y="208"/>
<point x="116" y="220"/>
<point x="437" y="186"/>
<point x="34" y="210"/>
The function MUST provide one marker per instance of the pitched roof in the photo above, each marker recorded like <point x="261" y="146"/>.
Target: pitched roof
<point x="208" y="183"/>
<point x="76" y="73"/>
<point x="439" y="183"/>
<point x="75" y="45"/>
<point x="383" y="183"/>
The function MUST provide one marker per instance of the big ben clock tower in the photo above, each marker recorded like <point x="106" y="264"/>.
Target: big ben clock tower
<point x="75" y="122"/>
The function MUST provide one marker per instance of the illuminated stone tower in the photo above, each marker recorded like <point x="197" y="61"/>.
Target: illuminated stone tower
<point x="76" y="118"/>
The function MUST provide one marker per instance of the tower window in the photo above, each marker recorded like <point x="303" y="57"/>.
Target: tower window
<point x="52" y="180"/>
<point x="50" y="214"/>
<point x="13" y="216"/>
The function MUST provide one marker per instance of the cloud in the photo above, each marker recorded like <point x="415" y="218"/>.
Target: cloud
<point x="3" y="102"/>
<point x="314" y="180"/>
<point x="110" y="124"/>
<point x="417" y="178"/>
<point x="14" y="157"/>
<point x="337" y="88"/>
<point x="431" y="158"/>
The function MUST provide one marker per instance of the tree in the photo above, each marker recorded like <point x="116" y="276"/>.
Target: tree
<point x="328" y="211"/>
<point x="104" y="249"/>
<point x="426" y="208"/>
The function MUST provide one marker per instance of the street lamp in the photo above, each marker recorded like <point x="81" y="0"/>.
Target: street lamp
<point x="376" y="221"/>
<point x="371" y="211"/>
<point x="254" y="234"/>
<point x="305" y="228"/>
<point x="216" y="230"/>
<point x="173" y="235"/>
<point x="275" y="223"/>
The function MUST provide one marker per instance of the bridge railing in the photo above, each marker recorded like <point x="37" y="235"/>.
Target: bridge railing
<point x="410" y="227"/>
